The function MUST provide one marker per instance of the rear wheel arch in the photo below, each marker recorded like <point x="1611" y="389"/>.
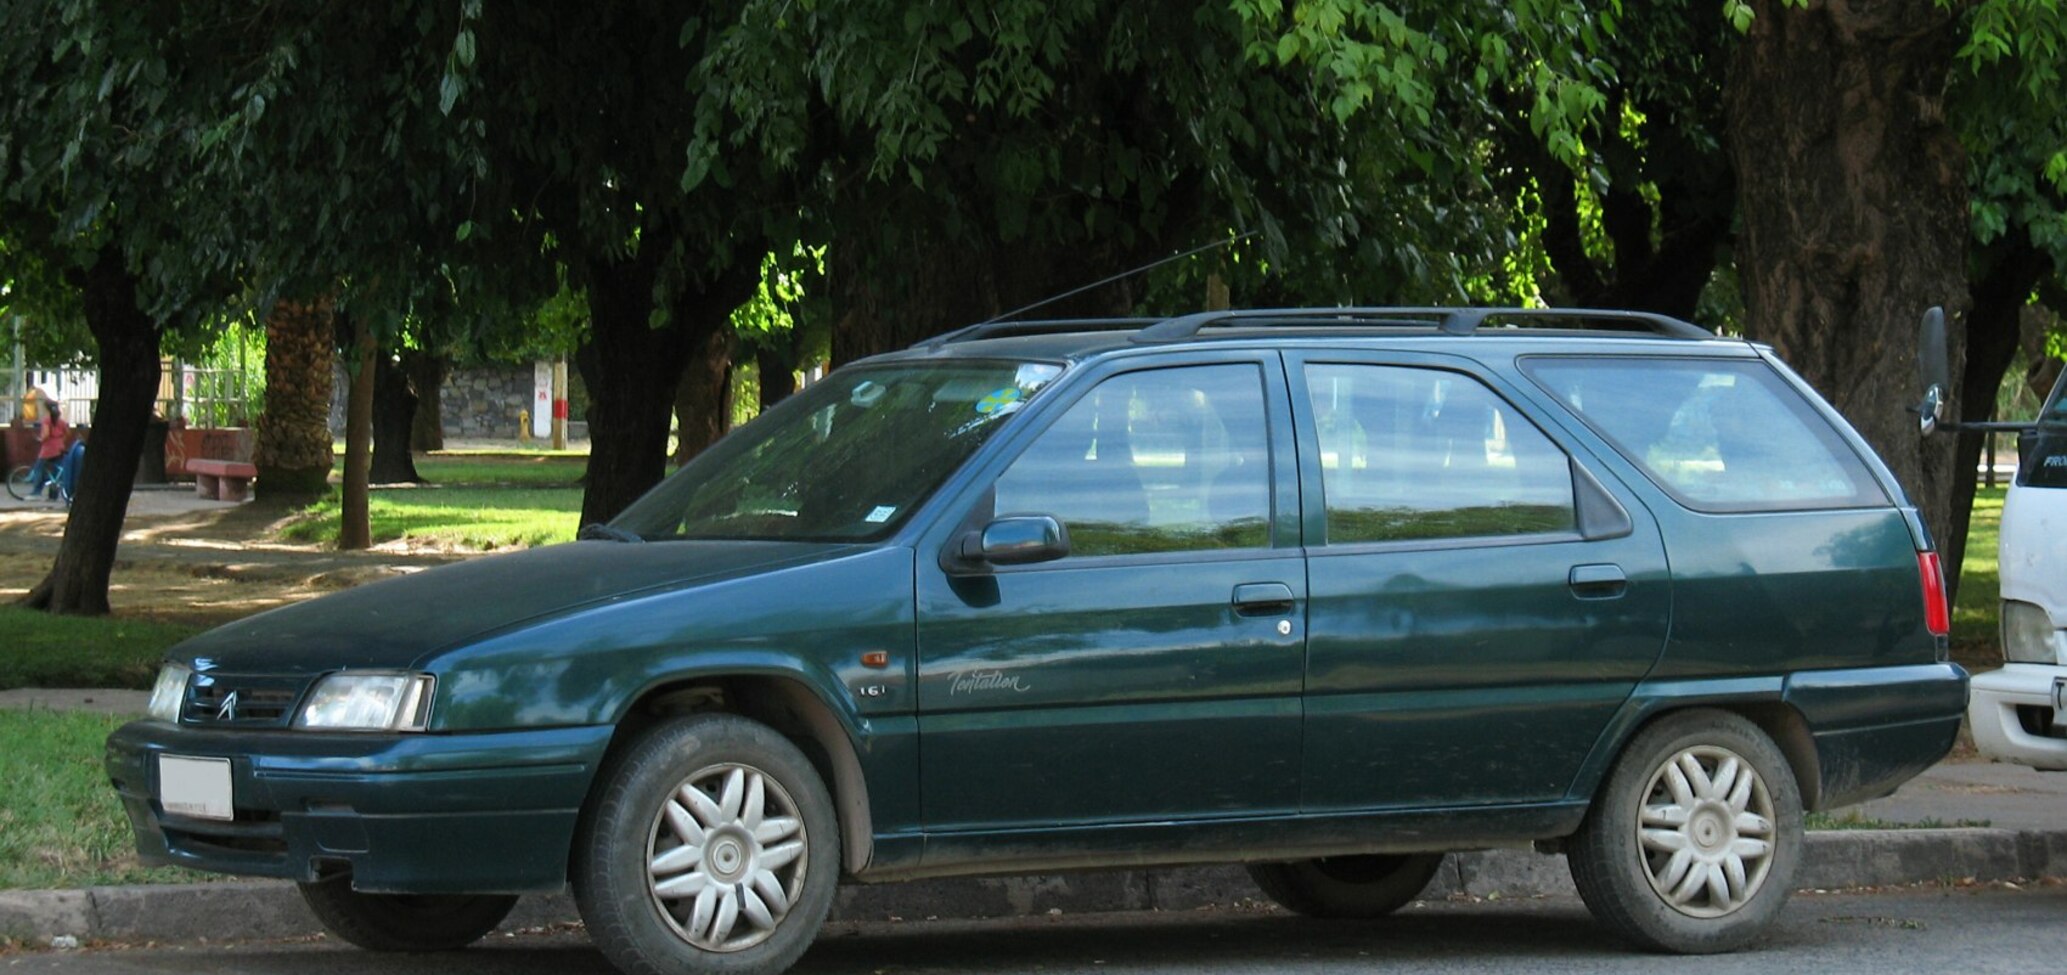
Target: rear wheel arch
<point x="791" y="708"/>
<point x="1779" y="721"/>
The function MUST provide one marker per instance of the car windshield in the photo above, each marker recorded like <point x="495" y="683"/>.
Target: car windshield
<point x="846" y="459"/>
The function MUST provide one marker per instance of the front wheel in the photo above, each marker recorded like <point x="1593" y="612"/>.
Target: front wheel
<point x="404" y="922"/>
<point x="1356" y="887"/>
<point x="711" y="847"/>
<point x="1693" y="843"/>
<point x="18" y="483"/>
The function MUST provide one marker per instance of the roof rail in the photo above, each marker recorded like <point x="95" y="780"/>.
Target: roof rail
<point x="992" y="330"/>
<point x="1453" y="321"/>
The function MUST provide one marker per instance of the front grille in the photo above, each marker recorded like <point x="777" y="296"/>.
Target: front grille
<point x="243" y="702"/>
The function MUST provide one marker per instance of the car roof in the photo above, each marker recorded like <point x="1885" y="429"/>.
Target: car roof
<point x="1456" y="330"/>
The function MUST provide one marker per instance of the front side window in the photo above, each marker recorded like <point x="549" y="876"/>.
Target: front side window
<point x="1422" y="453"/>
<point x="1719" y="435"/>
<point x="847" y="459"/>
<point x="1165" y="460"/>
<point x="2045" y="452"/>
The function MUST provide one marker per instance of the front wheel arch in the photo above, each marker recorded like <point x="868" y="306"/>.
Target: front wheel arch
<point x="783" y="703"/>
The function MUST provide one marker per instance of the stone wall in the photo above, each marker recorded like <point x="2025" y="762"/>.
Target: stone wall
<point x="479" y="402"/>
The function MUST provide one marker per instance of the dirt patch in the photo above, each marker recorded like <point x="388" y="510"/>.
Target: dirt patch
<point x="201" y="562"/>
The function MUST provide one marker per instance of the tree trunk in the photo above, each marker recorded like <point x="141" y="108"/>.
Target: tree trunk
<point x="292" y="451"/>
<point x="395" y="405"/>
<point x="1993" y="327"/>
<point x="127" y="342"/>
<point x="778" y="374"/>
<point x="631" y="370"/>
<point x="702" y="412"/>
<point x="355" y="530"/>
<point x="1853" y="196"/>
<point x="426" y="372"/>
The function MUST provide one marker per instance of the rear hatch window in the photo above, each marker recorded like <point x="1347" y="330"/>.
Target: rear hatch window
<point x="1719" y="435"/>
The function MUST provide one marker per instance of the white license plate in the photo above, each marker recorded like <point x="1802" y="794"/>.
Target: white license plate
<point x="197" y="787"/>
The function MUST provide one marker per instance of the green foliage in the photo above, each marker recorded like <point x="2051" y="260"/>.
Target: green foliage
<point x="60" y="824"/>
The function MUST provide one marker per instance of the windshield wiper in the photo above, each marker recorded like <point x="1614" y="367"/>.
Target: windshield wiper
<point x="596" y="531"/>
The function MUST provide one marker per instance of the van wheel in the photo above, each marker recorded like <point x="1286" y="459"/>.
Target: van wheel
<point x="1693" y="843"/>
<point x="710" y="847"/>
<point x="404" y="922"/>
<point x="1355" y="887"/>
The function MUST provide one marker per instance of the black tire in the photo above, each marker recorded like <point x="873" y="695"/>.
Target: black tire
<point x="635" y="823"/>
<point x="1624" y="879"/>
<point x="18" y="483"/>
<point x="1351" y="887"/>
<point x="404" y="922"/>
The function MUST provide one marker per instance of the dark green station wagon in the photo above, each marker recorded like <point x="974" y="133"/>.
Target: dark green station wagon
<point x="1329" y="592"/>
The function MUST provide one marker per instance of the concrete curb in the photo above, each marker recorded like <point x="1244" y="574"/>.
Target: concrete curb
<point x="261" y="909"/>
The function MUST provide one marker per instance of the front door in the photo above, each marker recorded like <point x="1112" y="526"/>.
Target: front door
<point x="1154" y="673"/>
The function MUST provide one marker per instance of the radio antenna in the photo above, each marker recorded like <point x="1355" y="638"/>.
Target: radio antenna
<point x="1123" y="275"/>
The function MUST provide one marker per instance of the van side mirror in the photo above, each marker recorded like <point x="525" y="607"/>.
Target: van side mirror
<point x="1017" y="540"/>
<point x="1933" y="365"/>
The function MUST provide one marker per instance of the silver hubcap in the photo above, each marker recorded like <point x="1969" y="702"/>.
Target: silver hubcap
<point x="727" y="857"/>
<point x="1706" y="831"/>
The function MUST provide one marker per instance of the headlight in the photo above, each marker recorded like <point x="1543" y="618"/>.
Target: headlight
<point x="170" y="693"/>
<point x="2029" y="637"/>
<point x="368" y="702"/>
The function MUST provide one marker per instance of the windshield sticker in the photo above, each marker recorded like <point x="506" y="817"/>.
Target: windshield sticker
<point x="1003" y="401"/>
<point x="881" y="514"/>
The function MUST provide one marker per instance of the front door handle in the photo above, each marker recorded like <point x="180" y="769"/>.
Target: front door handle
<point x="1603" y="580"/>
<point x="1262" y="599"/>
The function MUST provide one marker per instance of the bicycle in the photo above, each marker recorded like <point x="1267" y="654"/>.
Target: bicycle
<point x="18" y="486"/>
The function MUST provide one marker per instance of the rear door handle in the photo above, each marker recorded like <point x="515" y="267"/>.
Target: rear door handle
<point x="1262" y="598"/>
<point x="1602" y="580"/>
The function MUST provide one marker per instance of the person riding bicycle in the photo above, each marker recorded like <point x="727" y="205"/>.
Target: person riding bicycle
<point x="52" y="432"/>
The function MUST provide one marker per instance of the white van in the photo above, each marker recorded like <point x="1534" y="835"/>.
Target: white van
<point x="2019" y="713"/>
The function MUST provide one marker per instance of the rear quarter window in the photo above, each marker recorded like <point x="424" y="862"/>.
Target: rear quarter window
<point x="1719" y="435"/>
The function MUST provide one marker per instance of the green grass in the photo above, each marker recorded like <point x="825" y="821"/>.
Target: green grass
<point x="459" y="517"/>
<point x="475" y="470"/>
<point x="1854" y="820"/>
<point x="1975" y="618"/>
<point x="82" y="651"/>
<point x="60" y="824"/>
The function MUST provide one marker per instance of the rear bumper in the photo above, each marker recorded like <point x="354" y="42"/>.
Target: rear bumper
<point x="1876" y="728"/>
<point x="480" y="813"/>
<point x="2015" y="713"/>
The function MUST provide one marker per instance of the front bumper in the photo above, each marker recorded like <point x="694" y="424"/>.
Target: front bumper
<point x="403" y="813"/>
<point x="2016" y="715"/>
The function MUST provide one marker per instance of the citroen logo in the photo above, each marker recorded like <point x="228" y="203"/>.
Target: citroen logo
<point x="228" y="710"/>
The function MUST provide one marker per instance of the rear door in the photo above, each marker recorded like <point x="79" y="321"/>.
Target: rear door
<point x="1483" y="600"/>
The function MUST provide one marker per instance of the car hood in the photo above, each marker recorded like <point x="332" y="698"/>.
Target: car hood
<point x="396" y="622"/>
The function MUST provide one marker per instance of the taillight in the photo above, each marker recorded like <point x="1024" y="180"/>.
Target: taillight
<point x="1937" y="617"/>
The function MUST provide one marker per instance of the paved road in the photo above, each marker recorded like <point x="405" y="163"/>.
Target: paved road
<point x="1934" y="930"/>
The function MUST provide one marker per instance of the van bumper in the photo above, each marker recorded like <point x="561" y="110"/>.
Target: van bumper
<point x="2016" y="715"/>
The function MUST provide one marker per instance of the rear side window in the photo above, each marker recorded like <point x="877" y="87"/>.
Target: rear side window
<point x="1719" y="435"/>
<point x="1409" y="454"/>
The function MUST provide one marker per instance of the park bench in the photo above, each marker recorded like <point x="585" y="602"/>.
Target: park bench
<point x="223" y="480"/>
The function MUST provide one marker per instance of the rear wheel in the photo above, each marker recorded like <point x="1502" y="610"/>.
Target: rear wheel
<point x="404" y="922"/>
<point x="712" y="847"/>
<point x="1693" y="843"/>
<point x="18" y="483"/>
<point x="1357" y="887"/>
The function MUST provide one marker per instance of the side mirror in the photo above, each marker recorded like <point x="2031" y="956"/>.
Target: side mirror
<point x="1934" y="368"/>
<point x="1017" y="540"/>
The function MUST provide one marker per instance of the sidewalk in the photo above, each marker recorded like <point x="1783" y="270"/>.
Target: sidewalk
<point x="2026" y="836"/>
